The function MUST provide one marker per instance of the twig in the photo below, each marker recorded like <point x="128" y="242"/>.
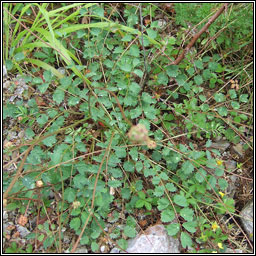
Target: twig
<point x="93" y="196"/>
<point x="196" y="36"/>
<point x="145" y="75"/>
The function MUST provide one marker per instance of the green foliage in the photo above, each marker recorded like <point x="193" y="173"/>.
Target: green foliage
<point x="80" y="147"/>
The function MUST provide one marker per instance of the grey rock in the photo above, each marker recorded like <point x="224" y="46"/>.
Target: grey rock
<point x="230" y="164"/>
<point x="102" y="248"/>
<point x="82" y="249"/>
<point x="239" y="149"/>
<point x="66" y="239"/>
<point x="161" y="23"/>
<point x="154" y="240"/>
<point x="229" y="250"/>
<point x="231" y="189"/>
<point x="7" y="84"/>
<point x="4" y="71"/>
<point x="5" y="215"/>
<point x="21" y="134"/>
<point x="222" y="145"/>
<point x="62" y="70"/>
<point x="23" y="231"/>
<point x="5" y="230"/>
<point x="247" y="219"/>
<point x="115" y="250"/>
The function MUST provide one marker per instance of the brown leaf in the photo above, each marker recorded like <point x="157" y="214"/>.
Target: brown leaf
<point x="23" y="220"/>
<point x="40" y="101"/>
<point x="16" y="234"/>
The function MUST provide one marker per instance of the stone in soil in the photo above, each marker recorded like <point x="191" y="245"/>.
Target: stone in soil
<point x="247" y="219"/>
<point x="222" y="145"/>
<point x="154" y="240"/>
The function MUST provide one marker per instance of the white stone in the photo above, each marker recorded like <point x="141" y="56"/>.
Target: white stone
<point x="154" y="240"/>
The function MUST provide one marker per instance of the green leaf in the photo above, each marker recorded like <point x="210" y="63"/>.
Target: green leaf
<point x="171" y="40"/>
<point x="127" y="38"/>
<point x="43" y="87"/>
<point x="134" y="153"/>
<point x="79" y="181"/>
<point x="19" y="56"/>
<point x="134" y="51"/>
<point x="47" y="75"/>
<point x="42" y="119"/>
<point x="70" y="194"/>
<point x="139" y="185"/>
<point x="162" y="79"/>
<point x="222" y="111"/>
<point x="187" y="167"/>
<point x="159" y="191"/>
<point x="201" y="173"/>
<point x="28" y="182"/>
<point x="75" y="223"/>
<point x="122" y="243"/>
<point x="185" y="240"/>
<point x="152" y="33"/>
<point x="163" y="176"/>
<point x="12" y="206"/>
<point x="162" y="203"/>
<point x="212" y="183"/>
<point x="232" y="93"/>
<point x="127" y="67"/>
<point x="65" y="82"/>
<point x="94" y="246"/>
<point x="199" y="64"/>
<point x="40" y="237"/>
<point x="58" y="96"/>
<point x="72" y="101"/>
<point x="187" y="214"/>
<point x="9" y="64"/>
<point x="148" y="206"/>
<point x="172" y="229"/>
<point x="129" y="166"/>
<point x="120" y="152"/>
<point x="75" y="212"/>
<point x="50" y="141"/>
<point x="114" y="183"/>
<point x="167" y="215"/>
<point x="141" y="195"/>
<point x="219" y="97"/>
<point x="235" y="105"/>
<point x="139" y="166"/>
<point x="222" y="183"/>
<point x="138" y="72"/>
<point x="198" y="79"/>
<point x="147" y="98"/>
<point x="29" y="133"/>
<point x="213" y="66"/>
<point x="130" y="231"/>
<point x="219" y="171"/>
<point x="180" y="200"/>
<point x="181" y="79"/>
<point x="190" y="226"/>
<point x="202" y="98"/>
<point x="116" y="172"/>
<point x="139" y="203"/>
<point x="81" y="147"/>
<point x="172" y="70"/>
<point x="149" y="172"/>
<point x="171" y="187"/>
<point x="150" y="112"/>
<point x="208" y="143"/>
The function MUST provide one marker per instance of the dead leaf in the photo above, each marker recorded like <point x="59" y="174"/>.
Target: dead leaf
<point x="16" y="234"/>
<point x="40" y="101"/>
<point x="23" y="220"/>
